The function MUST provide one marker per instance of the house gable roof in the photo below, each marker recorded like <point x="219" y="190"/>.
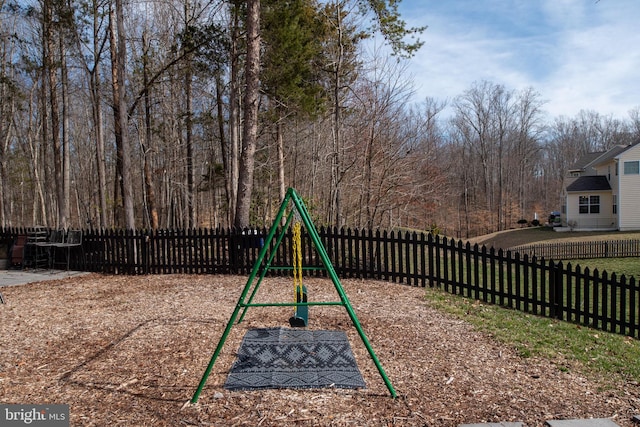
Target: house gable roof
<point x="589" y="183"/>
<point x="628" y="148"/>
<point x="585" y="160"/>
<point x="612" y="153"/>
<point x="600" y="157"/>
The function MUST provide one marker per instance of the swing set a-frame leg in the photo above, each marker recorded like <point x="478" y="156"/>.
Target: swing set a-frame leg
<point x="240" y="304"/>
<point x="344" y="301"/>
<point x="207" y="372"/>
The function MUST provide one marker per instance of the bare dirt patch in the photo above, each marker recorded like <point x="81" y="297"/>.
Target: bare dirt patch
<point x="131" y="350"/>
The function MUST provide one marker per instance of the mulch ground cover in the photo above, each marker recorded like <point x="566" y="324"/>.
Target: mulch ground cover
<point x="130" y="351"/>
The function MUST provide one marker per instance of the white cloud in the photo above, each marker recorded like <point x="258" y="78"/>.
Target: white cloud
<point x="598" y="70"/>
<point x="579" y="55"/>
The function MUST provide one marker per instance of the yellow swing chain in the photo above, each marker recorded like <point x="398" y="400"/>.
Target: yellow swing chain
<point x="297" y="261"/>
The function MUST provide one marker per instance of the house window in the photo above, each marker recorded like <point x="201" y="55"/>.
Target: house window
<point x="589" y="204"/>
<point x="632" y="168"/>
<point x="615" y="204"/>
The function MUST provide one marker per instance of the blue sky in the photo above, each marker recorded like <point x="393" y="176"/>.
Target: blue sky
<point x="578" y="54"/>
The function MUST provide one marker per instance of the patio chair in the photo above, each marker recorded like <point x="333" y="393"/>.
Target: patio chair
<point x="36" y="253"/>
<point x="47" y="247"/>
<point x="73" y="240"/>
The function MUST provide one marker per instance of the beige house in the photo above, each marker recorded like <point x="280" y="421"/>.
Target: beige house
<point x="602" y="191"/>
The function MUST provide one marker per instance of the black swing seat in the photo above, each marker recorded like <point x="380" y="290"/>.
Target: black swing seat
<point x="297" y="322"/>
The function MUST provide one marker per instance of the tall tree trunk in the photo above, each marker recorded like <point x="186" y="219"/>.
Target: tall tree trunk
<point x="7" y="108"/>
<point x="250" y="105"/>
<point x="190" y="216"/>
<point x="54" y="110"/>
<point x="234" y="116"/>
<point x="39" y="148"/>
<point x="65" y="202"/>
<point x="282" y="190"/>
<point x="118" y="57"/>
<point x="224" y="147"/>
<point x="336" y="135"/>
<point x="280" y="149"/>
<point x="96" y="104"/>
<point x="150" y="192"/>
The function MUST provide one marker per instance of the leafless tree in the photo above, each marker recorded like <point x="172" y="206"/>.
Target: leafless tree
<point x="250" y="106"/>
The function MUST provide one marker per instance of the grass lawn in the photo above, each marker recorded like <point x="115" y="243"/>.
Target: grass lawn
<point x="507" y="239"/>
<point x="627" y="266"/>
<point x="570" y="346"/>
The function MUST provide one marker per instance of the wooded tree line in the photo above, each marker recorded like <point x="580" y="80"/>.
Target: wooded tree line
<point x="182" y="113"/>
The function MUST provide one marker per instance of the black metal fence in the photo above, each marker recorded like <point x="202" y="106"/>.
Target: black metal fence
<point x="521" y="282"/>
<point x="582" y="250"/>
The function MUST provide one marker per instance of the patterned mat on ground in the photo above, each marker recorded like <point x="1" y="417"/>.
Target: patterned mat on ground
<point x="294" y="358"/>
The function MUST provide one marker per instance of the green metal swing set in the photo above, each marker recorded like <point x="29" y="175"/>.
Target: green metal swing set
<point x="299" y="213"/>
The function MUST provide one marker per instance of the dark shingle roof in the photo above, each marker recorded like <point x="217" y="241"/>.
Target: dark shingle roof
<point x="590" y="183"/>
<point x="585" y="160"/>
<point x="592" y="159"/>
<point x="612" y="153"/>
